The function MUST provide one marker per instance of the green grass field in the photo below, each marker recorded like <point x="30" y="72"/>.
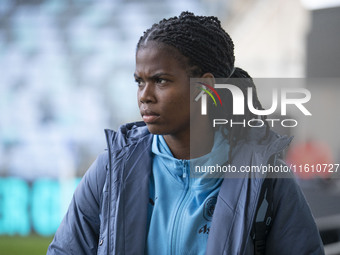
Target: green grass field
<point x="28" y="245"/>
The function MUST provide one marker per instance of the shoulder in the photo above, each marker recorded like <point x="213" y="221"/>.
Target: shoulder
<point x="94" y="179"/>
<point x="127" y="135"/>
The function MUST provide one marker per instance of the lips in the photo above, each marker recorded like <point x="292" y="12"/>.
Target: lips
<point x="149" y="116"/>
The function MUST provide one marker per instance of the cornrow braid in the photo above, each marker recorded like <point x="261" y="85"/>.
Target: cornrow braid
<point x="207" y="48"/>
<point x="201" y="39"/>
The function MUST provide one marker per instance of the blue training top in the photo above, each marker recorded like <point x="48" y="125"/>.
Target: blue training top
<point x="181" y="207"/>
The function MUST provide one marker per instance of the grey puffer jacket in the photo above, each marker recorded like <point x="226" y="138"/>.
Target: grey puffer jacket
<point x="108" y="212"/>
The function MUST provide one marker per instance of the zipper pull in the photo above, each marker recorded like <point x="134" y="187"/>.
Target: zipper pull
<point x="184" y="169"/>
<point x="184" y="173"/>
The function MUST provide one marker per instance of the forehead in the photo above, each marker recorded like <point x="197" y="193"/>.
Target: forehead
<point x="157" y="56"/>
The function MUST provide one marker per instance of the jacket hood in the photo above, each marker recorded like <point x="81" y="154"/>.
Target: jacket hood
<point x="268" y="145"/>
<point x="127" y="134"/>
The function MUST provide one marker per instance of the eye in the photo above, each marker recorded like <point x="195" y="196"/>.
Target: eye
<point x="161" y="80"/>
<point x="139" y="82"/>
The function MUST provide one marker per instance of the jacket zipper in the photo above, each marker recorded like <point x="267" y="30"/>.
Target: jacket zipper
<point x="178" y="213"/>
<point x="109" y="193"/>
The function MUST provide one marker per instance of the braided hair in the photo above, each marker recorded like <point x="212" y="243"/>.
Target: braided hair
<point x="207" y="48"/>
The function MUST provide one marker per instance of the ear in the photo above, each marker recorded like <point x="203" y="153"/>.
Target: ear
<point x="209" y="78"/>
<point x="208" y="75"/>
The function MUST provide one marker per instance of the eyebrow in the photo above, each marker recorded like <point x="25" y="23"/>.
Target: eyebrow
<point x="155" y="76"/>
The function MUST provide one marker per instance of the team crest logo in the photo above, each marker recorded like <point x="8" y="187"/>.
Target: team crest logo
<point x="209" y="207"/>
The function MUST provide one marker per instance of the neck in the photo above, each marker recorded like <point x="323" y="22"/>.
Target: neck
<point x="192" y="144"/>
<point x="179" y="146"/>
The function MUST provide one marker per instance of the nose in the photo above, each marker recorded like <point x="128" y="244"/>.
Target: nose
<point x="146" y="93"/>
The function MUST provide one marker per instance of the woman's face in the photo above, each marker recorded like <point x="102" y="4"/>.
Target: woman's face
<point x="163" y="90"/>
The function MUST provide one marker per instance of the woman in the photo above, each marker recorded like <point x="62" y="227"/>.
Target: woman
<point x="140" y="197"/>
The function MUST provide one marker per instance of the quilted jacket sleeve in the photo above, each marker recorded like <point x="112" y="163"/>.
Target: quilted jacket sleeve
<point x="294" y="230"/>
<point x="78" y="233"/>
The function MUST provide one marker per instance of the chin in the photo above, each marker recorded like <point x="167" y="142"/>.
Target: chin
<point x="156" y="129"/>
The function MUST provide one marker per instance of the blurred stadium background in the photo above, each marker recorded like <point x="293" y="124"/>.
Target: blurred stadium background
<point x="67" y="73"/>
